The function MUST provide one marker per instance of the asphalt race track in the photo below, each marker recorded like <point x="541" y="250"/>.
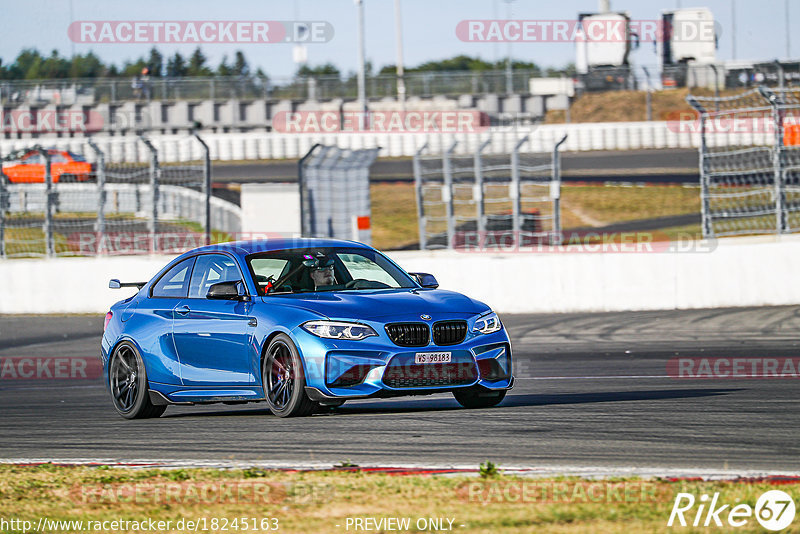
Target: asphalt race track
<point x="676" y="165"/>
<point x="592" y="390"/>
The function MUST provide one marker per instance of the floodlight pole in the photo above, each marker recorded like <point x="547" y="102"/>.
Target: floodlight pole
<point x="401" y="82"/>
<point x="362" y="90"/>
<point x="509" y="66"/>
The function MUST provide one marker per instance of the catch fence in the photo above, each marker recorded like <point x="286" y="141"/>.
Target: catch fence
<point x="750" y="162"/>
<point x="488" y="200"/>
<point x="334" y="193"/>
<point x="59" y="203"/>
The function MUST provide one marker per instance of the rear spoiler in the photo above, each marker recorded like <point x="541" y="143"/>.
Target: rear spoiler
<point x="116" y="284"/>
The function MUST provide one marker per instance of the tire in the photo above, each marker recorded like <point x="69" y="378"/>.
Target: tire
<point x="283" y="380"/>
<point x="127" y="378"/>
<point x="67" y="178"/>
<point x="478" y="397"/>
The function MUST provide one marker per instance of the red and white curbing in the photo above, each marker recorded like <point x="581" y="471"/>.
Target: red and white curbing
<point x="586" y="472"/>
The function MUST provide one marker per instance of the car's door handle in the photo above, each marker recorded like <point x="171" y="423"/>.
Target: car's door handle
<point x="183" y="310"/>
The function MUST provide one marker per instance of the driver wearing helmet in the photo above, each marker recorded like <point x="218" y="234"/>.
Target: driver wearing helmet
<point x="322" y="273"/>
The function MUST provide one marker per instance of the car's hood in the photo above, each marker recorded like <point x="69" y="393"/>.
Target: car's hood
<point x="375" y="304"/>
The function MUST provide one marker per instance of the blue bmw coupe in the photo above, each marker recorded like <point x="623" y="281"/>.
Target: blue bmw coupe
<point x="300" y="324"/>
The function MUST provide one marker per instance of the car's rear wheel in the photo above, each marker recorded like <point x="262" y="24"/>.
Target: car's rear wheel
<point x="284" y="381"/>
<point x="478" y="397"/>
<point x="129" y="388"/>
<point x="67" y="178"/>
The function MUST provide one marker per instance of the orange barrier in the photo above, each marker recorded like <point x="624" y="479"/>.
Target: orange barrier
<point x="791" y="134"/>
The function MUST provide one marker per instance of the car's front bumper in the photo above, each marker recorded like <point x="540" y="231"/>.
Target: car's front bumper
<point x="317" y="395"/>
<point x="376" y="367"/>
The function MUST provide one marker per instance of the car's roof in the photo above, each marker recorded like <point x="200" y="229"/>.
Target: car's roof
<point x="244" y="248"/>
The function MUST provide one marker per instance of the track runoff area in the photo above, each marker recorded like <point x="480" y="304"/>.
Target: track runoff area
<point x="625" y="405"/>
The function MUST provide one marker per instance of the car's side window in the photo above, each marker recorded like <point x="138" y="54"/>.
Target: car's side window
<point x="175" y="283"/>
<point x="212" y="269"/>
<point x="264" y="268"/>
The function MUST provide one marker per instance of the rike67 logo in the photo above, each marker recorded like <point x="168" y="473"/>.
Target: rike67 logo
<point x="774" y="511"/>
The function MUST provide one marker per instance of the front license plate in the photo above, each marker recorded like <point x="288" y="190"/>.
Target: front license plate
<point x="433" y="357"/>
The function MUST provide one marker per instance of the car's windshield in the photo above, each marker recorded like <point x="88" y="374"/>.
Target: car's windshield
<point x="324" y="269"/>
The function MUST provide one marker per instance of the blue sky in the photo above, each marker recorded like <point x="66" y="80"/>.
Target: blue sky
<point x="428" y="28"/>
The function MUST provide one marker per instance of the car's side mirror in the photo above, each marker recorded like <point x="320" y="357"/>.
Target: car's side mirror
<point x="225" y="291"/>
<point x="425" y="280"/>
<point x="116" y="284"/>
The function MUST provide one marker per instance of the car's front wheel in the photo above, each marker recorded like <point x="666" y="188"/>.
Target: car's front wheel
<point x="284" y="381"/>
<point x="129" y="388"/>
<point x="478" y="397"/>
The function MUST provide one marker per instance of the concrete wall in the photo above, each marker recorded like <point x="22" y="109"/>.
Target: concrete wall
<point x="273" y="145"/>
<point x="738" y="272"/>
<point x="239" y="115"/>
<point x="270" y="208"/>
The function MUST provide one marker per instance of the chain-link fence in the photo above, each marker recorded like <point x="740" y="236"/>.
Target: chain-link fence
<point x="87" y="91"/>
<point x="750" y="162"/>
<point x="488" y="201"/>
<point x="334" y="193"/>
<point x="90" y="91"/>
<point x="60" y="203"/>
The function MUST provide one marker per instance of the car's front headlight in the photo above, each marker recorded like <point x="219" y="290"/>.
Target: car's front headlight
<point x="487" y="324"/>
<point x="339" y="330"/>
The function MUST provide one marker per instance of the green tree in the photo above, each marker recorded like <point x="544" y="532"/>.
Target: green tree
<point x="54" y="66"/>
<point x="155" y="62"/>
<point x="176" y="66"/>
<point x="87" y="66"/>
<point x="224" y="69"/>
<point x="197" y="64"/>
<point x="328" y="69"/>
<point x="27" y="61"/>
<point x="240" y="66"/>
<point x="133" y="68"/>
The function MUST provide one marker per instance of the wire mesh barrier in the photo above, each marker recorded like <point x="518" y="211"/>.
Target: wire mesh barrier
<point x="87" y="91"/>
<point x="334" y="192"/>
<point x="750" y="162"/>
<point x="488" y="201"/>
<point x="53" y="207"/>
